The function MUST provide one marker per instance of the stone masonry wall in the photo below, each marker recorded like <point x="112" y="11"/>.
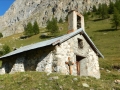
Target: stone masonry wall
<point x="89" y="65"/>
<point x="93" y="64"/>
<point x="2" y="70"/>
<point x="45" y="63"/>
<point x="34" y="60"/>
<point x="19" y="65"/>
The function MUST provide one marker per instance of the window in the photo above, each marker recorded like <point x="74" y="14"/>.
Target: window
<point x="80" y="43"/>
<point x="78" y="22"/>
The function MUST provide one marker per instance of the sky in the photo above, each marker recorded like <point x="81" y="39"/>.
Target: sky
<point x="4" y="6"/>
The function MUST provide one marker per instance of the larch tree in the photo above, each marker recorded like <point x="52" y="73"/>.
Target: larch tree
<point x="116" y="19"/>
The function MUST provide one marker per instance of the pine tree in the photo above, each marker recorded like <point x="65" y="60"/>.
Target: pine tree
<point x="99" y="9"/>
<point x="36" y="28"/>
<point x="29" y="30"/>
<point x="111" y="8"/>
<point x="52" y="26"/>
<point x="104" y="11"/>
<point x="94" y="8"/>
<point x="117" y="5"/>
<point x="66" y="18"/>
<point x="116" y="18"/>
<point x="60" y="21"/>
<point x="86" y="16"/>
<point x="1" y="35"/>
<point x="6" y="49"/>
<point x="1" y="53"/>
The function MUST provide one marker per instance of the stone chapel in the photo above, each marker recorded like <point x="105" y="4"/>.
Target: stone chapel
<point x="71" y="54"/>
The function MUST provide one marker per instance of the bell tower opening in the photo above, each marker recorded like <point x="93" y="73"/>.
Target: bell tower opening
<point x="78" y="22"/>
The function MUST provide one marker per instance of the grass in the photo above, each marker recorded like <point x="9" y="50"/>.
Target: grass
<point x="43" y="81"/>
<point x="105" y="38"/>
<point x="107" y="41"/>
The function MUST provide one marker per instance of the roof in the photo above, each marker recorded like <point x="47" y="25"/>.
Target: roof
<point x="53" y="42"/>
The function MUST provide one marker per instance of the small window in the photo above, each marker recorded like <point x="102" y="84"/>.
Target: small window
<point x="80" y="43"/>
<point x="78" y="22"/>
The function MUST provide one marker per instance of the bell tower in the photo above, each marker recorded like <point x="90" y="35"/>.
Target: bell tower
<point x="75" y="21"/>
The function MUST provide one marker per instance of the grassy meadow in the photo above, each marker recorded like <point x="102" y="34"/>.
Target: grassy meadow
<point x="105" y="38"/>
<point x="107" y="41"/>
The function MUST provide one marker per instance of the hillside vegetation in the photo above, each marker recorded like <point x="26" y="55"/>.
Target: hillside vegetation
<point x="105" y="38"/>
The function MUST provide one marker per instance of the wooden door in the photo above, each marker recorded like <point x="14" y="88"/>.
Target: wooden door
<point x="78" y="67"/>
<point x="78" y="59"/>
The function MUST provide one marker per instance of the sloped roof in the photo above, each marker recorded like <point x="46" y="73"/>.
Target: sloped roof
<point x="53" y="42"/>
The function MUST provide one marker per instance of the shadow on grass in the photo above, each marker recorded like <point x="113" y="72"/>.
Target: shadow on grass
<point x="45" y="36"/>
<point x="46" y="31"/>
<point x="105" y="30"/>
<point x="95" y="20"/>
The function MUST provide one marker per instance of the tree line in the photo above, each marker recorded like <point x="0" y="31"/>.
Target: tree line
<point x="104" y="11"/>
<point x="52" y="26"/>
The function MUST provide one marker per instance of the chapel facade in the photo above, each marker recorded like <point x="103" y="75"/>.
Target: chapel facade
<point x="71" y="54"/>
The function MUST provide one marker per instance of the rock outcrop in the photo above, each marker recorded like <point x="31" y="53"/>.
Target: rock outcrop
<point x="23" y="11"/>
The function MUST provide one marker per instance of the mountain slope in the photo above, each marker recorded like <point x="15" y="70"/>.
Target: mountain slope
<point x="22" y="12"/>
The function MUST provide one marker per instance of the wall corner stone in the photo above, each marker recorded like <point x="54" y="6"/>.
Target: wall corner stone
<point x="18" y="66"/>
<point x="2" y="70"/>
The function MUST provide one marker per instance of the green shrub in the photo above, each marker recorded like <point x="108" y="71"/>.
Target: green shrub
<point x="5" y="49"/>
<point x="1" y="35"/>
<point x="1" y="53"/>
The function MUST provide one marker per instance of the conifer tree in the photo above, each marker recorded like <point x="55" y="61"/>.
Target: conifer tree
<point x="94" y="8"/>
<point x="52" y="26"/>
<point x="116" y="18"/>
<point x="1" y="35"/>
<point x="36" y="28"/>
<point x="117" y="5"/>
<point x="99" y="9"/>
<point x="60" y="21"/>
<point x="111" y="8"/>
<point x="6" y="49"/>
<point x="104" y="11"/>
<point x="1" y="53"/>
<point x="86" y="16"/>
<point x="29" y="29"/>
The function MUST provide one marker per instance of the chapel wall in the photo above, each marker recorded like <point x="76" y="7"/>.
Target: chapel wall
<point x="33" y="60"/>
<point x="93" y="64"/>
<point x="69" y="49"/>
<point x="89" y="65"/>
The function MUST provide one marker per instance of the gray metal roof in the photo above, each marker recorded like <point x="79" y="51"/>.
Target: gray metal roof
<point x="54" y="42"/>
